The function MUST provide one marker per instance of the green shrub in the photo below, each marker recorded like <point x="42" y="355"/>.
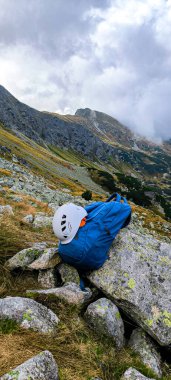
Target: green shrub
<point x="104" y="179"/>
<point x="139" y="198"/>
<point x="129" y="181"/>
<point x="87" y="195"/>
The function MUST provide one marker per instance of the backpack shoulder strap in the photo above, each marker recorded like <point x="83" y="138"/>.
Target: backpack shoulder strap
<point x="116" y="196"/>
<point x="94" y="209"/>
<point x="93" y="206"/>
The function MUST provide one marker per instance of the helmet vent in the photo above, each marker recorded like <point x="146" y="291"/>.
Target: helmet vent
<point x="64" y="228"/>
<point x="63" y="216"/>
<point x="63" y="222"/>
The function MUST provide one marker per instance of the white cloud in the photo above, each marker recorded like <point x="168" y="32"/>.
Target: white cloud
<point x="115" y="59"/>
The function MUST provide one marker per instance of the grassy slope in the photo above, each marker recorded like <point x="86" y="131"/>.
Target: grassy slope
<point x="55" y="166"/>
<point x="79" y="353"/>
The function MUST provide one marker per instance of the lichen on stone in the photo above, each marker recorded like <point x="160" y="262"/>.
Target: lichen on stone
<point x="131" y="283"/>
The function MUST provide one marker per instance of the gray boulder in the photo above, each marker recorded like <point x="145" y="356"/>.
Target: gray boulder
<point x="40" y="367"/>
<point x="16" y="198"/>
<point x="25" y="257"/>
<point x="46" y="260"/>
<point x="47" y="278"/>
<point x="68" y="273"/>
<point x="6" y="210"/>
<point x="42" y="220"/>
<point x="143" y="345"/>
<point x="70" y="293"/>
<point x="137" y="277"/>
<point x="104" y="317"/>
<point x="28" y="219"/>
<point x="53" y="206"/>
<point x="133" y="374"/>
<point x="28" y="314"/>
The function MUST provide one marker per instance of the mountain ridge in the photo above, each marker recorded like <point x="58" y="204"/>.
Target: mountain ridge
<point x="141" y="167"/>
<point x="104" y="134"/>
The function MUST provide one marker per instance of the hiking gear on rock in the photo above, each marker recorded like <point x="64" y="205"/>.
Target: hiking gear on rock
<point x="89" y="248"/>
<point x="67" y="220"/>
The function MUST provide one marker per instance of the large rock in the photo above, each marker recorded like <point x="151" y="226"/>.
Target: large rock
<point x="29" y="314"/>
<point x="137" y="277"/>
<point x="28" y="219"/>
<point x="42" y="220"/>
<point x="47" y="278"/>
<point x="70" y="293"/>
<point x="68" y="273"/>
<point x="143" y="345"/>
<point x="16" y="198"/>
<point x="47" y="260"/>
<point x="25" y="257"/>
<point x="104" y="317"/>
<point x="6" y="210"/>
<point x="40" y="367"/>
<point x="133" y="374"/>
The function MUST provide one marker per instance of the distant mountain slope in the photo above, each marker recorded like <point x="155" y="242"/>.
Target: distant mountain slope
<point x="115" y="133"/>
<point x="113" y="156"/>
<point x="107" y="128"/>
<point x="53" y="129"/>
<point x="51" y="165"/>
<point x="94" y="134"/>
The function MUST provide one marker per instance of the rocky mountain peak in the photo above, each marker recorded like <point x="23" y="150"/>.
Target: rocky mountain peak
<point x="84" y="112"/>
<point x="129" y="297"/>
<point x="94" y="135"/>
<point x="5" y="94"/>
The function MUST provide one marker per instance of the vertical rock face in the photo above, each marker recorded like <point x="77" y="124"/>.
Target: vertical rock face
<point x="137" y="277"/>
<point x="104" y="317"/>
<point x="28" y="314"/>
<point x="143" y="345"/>
<point x="42" y="366"/>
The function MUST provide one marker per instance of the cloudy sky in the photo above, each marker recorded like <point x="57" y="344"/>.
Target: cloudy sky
<point x="109" y="55"/>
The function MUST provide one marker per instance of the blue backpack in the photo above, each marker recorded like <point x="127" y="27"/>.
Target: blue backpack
<point x="89" y="248"/>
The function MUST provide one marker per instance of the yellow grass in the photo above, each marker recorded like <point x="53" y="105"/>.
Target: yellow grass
<point x="150" y="217"/>
<point x="5" y="172"/>
<point x="79" y="353"/>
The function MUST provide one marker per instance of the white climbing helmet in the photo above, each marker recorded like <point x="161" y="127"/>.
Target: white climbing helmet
<point x="67" y="220"/>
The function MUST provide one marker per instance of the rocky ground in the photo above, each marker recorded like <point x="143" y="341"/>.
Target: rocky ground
<point x="118" y="327"/>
